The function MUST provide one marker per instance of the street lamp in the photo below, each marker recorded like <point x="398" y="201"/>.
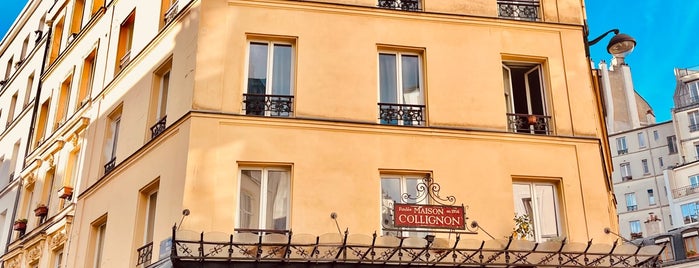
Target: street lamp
<point x="619" y="46"/>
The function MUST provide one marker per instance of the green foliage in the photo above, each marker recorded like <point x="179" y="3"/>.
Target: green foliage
<point x="523" y="227"/>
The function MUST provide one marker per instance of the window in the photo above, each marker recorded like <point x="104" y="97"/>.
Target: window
<point x="393" y="187"/>
<point x="693" y="91"/>
<point x="660" y="161"/>
<point x="269" y="61"/>
<point x="635" y="228"/>
<point x="148" y="206"/>
<point x="264" y="198"/>
<point x="11" y="112"/>
<point x="97" y="238"/>
<point x="401" y="93"/>
<point x="644" y="163"/>
<point x="655" y="135"/>
<point x="63" y="100"/>
<point x="621" y="145"/>
<point x="411" y="5"/>
<point x="168" y="10"/>
<point x="47" y="189"/>
<point x="87" y="79"/>
<point x="58" y="258"/>
<point x="696" y="150"/>
<point x="8" y="71"/>
<point x="641" y="140"/>
<point x="23" y="54"/>
<point x="77" y="19"/>
<point x="125" y="41"/>
<point x="540" y="202"/>
<point x="689" y="212"/>
<point x="625" y="171"/>
<point x="693" y="121"/>
<point x="159" y="94"/>
<point x="28" y="90"/>
<point x="72" y="170"/>
<point x="651" y="197"/>
<point x="694" y="181"/>
<point x="525" y="97"/>
<point x="667" y="254"/>
<point x="56" y="42"/>
<point x="96" y="5"/>
<point x="690" y="245"/>
<point x="112" y="140"/>
<point x="41" y="123"/>
<point x="631" y="202"/>
<point x="672" y="144"/>
<point x="519" y="10"/>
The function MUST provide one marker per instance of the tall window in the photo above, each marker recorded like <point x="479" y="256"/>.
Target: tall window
<point x="655" y="135"/>
<point x="147" y="214"/>
<point x="125" y="41"/>
<point x="539" y="201"/>
<point x="393" y="187"/>
<point x="693" y="91"/>
<point x="401" y="93"/>
<point x="625" y="171"/>
<point x="96" y="5"/>
<point x="113" y="124"/>
<point x="42" y="123"/>
<point x="87" y="79"/>
<point x="56" y="40"/>
<point x="264" y="198"/>
<point x="63" y="100"/>
<point x="631" y="202"/>
<point x="635" y="227"/>
<point x="672" y="144"/>
<point x="660" y="161"/>
<point x="25" y="45"/>
<point x="525" y="97"/>
<point x="689" y="212"/>
<point x="641" y="140"/>
<point x="644" y="163"/>
<point x="97" y="238"/>
<point x="8" y="71"/>
<point x="693" y="121"/>
<point x="694" y="181"/>
<point x="28" y="90"/>
<point x="58" y="258"/>
<point x="651" y="197"/>
<point x="270" y="84"/>
<point x="11" y="112"/>
<point x="621" y="145"/>
<point x="77" y="19"/>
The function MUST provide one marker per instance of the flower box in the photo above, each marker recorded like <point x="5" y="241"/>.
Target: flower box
<point x="41" y="210"/>
<point x="20" y="225"/>
<point x="65" y="192"/>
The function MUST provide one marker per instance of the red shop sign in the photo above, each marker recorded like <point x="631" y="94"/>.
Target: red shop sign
<point x="428" y="216"/>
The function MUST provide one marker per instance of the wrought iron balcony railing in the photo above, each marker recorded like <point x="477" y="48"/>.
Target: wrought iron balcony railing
<point x="402" y="114"/>
<point x="171" y="12"/>
<point x="109" y="166"/>
<point x="519" y="9"/>
<point x="626" y="178"/>
<point x="637" y="235"/>
<point x="145" y="253"/>
<point x="268" y="105"/>
<point x="622" y="151"/>
<point x="693" y="127"/>
<point x="409" y="5"/>
<point x="158" y="128"/>
<point x="529" y="123"/>
<point x="632" y="208"/>
<point x="685" y="191"/>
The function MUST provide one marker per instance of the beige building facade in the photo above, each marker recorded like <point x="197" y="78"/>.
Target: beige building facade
<point x="262" y="117"/>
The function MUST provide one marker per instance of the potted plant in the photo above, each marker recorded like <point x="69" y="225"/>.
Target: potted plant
<point x="691" y="253"/>
<point x="41" y="210"/>
<point x="65" y="192"/>
<point x="20" y="225"/>
<point x="523" y="227"/>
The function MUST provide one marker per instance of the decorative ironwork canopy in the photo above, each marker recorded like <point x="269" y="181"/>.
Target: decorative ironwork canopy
<point x="359" y="250"/>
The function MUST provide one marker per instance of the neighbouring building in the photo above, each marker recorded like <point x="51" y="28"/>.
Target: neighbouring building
<point x="201" y="133"/>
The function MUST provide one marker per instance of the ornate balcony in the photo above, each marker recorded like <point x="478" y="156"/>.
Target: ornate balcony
<point x="158" y="128"/>
<point x="409" y="5"/>
<point x="685" y="191"/>
<point x="622" y="151"/>
<point x="519" y="9"/>
<point x="171" y="12"/>
<point x="109" y="166"/>
<point x="529" y="123"/>
<point x="268" y="105"/>
<point x="145" y="254"/>
<point x="402" y="114"/>
<point x="693" y="127"/>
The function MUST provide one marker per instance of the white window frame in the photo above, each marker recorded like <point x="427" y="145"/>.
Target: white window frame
<point x="691" y="219"/>
<point x="399" y="76"/>
<point x="625" y="169"/>
<point x="656" y="136"/>
<point x="641" y="140"/>
<point x="694" y="181"/>
<point x="270" y="64"/>
<point x="403" y="178"/>
<point x="263" y="194"/>
<point x="100" y="233"/>
<point x="635" y="225"/>
<point x="631" y="202"/>
<point x="536" y="219"/>
<point x="163" y="91"/>
<point x="149" y="230"/>
<point x="644" y="164"/>
<point x="506" y="65"/>
<point x="651" y="197"/>
<point x="621" y="144"/>
<point x="693" y="88"/>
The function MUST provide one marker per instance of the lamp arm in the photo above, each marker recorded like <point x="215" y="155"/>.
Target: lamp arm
<point x="594" y="41"/>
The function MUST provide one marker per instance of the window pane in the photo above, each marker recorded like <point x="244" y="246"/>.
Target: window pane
<point x="249" y="204"/>
<point x="164" y="87"/>
<point x="546" y="202"/>
<point x="412" y="94"/>
<point x="257" y="69"/>
<point x="522" y="199"/>
<point x="387" y="78"/>
<point x="535" y="93"/>
<point x="277" y="200"/>
<point x="152" y="203"/>
<point x="508" y="88"/>
<point x="281" y="73"/>
<point x="390" y="193"/>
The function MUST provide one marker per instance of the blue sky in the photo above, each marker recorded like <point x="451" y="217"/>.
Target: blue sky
<point x="663" y="30"/>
